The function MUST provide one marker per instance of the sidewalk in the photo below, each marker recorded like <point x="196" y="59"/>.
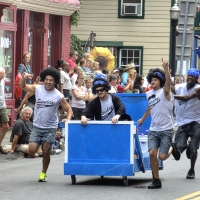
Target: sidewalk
<point x="7" y="145"/>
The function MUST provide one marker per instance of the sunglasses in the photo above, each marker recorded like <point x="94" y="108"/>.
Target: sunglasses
<point x="101" y="90"/>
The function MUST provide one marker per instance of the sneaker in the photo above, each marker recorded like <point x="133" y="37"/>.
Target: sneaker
<point x="3" y="151"/>
<point x="156" y="183"/>
<point x="42" y="177"/>
<point x="190" y="175"/>
<point x="175" y="152"/>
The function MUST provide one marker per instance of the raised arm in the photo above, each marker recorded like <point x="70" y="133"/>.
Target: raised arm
<point x="24" y="86"/>
<point x="167" y="86"/>
<point x="195" y="93"/>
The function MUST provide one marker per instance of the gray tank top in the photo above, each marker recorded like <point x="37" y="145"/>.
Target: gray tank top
<point x="46" y="107"/>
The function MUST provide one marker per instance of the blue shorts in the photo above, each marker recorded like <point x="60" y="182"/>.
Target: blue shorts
<point x="185" y="131"/>
<point x="41" y="135"/>
<point x="161" y="140"/>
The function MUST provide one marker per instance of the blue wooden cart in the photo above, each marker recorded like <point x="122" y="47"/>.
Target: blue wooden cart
<point x="104" y="149"/>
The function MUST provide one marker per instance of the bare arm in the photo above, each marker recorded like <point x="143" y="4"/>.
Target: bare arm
<point x="24" y="86"/>
<point x="28" y="95"/>
<point x="61" y="87"/>
<point x="14" y="143"/>
<point x="80" y="97"/>
<point x="167" y="86"/>
<point x="192" y="95"/>
<point x="146" y="114"/>
<point x="67" y="108"/>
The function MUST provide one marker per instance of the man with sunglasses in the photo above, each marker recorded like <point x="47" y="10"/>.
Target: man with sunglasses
<point x="160" y="106"/>
<point x="106" y="106"/>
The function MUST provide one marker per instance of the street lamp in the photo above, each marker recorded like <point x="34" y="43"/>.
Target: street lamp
<point x="174" y="14"/>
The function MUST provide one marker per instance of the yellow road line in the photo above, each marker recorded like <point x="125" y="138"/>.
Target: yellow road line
<point x="189" y="196"/>
<point x="197" y="198"/>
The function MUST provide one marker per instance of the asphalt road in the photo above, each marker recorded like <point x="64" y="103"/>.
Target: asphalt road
<point x="19" y="181"/>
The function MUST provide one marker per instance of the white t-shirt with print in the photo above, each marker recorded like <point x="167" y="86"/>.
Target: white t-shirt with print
<point x="161" y="110"/>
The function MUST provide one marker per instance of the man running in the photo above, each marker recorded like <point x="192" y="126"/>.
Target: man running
<point x="160" y="106"/>
<point x="45" y="120"/>
<point x="188" y="118"/>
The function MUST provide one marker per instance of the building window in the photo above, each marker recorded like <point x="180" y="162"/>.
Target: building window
<point x="131" y="9"/>
<point x="128" y="55"/>
<point x="7" y="16"/>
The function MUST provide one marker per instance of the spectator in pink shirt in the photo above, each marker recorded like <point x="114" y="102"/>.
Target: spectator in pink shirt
<point x="72" y="59"/>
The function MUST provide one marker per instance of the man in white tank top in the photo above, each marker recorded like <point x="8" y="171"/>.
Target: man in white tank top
<point x="188" y="118"/>
<point x="160" y="106"/>
<point x="45" y="120"/>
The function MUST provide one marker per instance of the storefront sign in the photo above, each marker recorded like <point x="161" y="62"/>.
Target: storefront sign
<point x="6" y="59"/>
<point x="5" y="42"/>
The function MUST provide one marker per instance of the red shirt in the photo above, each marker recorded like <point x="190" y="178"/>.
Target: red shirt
<point x="72" y="63"/>
<point x="120" y="89"/>
<point x="148" y="88"/>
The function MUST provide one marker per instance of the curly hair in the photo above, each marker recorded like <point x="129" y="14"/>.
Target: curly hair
<point x="50" y="71"/>
<point x="100" y="82"/>
<point x="156" y="73"/>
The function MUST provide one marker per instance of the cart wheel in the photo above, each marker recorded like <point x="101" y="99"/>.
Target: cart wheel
<point x="102" y="176"/>
<point x="73" y="177"/>
<point x="125" y="181"/>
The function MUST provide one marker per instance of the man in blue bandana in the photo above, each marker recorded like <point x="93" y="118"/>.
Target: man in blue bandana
<point x="106" y="106"/>
<point x="188" y="118"/>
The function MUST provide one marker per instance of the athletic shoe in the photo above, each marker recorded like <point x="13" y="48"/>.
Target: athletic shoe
<point x="156" y="183"/>
<point x="175" y="152"/>
<point x="42" y="177"/>
<point x="190" y="175"/>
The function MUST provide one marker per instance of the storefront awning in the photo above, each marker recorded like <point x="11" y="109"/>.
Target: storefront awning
<point x="56" y="7"/>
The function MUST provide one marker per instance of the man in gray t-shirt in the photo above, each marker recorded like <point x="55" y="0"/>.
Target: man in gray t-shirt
<point x="21" y="132"/>
<point x="45" y="119"/>
<point x="106" y="106"/>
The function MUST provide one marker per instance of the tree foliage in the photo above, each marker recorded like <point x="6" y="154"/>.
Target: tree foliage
<point x="76" y="46"/>
<point x="75" y="17"/>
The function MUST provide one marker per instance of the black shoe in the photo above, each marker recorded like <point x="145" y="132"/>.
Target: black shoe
<point x="156" y="183"/>
<point x="190" y="175"/>
<point x="175" y="152"/>
<point x="26" y="155"/>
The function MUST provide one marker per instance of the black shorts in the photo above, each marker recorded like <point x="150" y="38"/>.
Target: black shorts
<point x="185" y="131"/>
<point x="77" y="113"/>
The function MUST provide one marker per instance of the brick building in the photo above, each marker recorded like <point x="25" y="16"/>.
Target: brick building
<point x="40" y="27"/>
